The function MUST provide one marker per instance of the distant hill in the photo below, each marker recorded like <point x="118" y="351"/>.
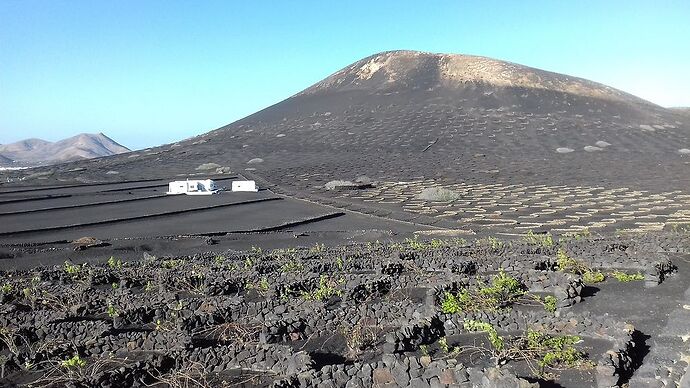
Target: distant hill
<point x="40" y="152"/>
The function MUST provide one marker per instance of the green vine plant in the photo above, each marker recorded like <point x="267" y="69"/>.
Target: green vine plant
<point x="625" y="277"/>
<point x="163" y="325"/>
<point x="219" y="260"/>
<point x="292" y="266"/>
<point x="7" y="288"/>
<point x="114" y="263"/>
<point x="415" y="244"/>
<point x="171" y="263"/>
<point x="555" y="351"/>
<point x="424" y="350"/>
<point x="327" y="288"/>
<point x="495" y="340"/>
<point x="449" y="351"/>
<point x="72" y="371"/>
<point x="541" y="351"/>
<point x="503" y="291"/>
<point x="74" y="270"/>
<point x="262" y="286"/>
<point x="75" y="362"/>
<point x="565" y="263"/>
<point x="550" y="303"/>
<point x="543" y="240"/>
<point x="317" y="248"/>
<point x="112" y="311"/>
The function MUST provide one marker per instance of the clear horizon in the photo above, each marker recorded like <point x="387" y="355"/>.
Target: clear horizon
<point x="154" y="72"/>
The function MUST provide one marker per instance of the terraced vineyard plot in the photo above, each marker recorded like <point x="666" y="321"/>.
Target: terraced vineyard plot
<point x="526" y="207"/>
<point x="405" y="314"/>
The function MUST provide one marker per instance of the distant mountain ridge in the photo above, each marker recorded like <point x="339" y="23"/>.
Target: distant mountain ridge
<point x="41" y="152"/>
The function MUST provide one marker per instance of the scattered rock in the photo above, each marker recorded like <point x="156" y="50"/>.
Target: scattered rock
<point x="208" y="166"/>
<point x="383" y="377"/>
<point x="439" y="194"/>
<point x="602" y="144"/>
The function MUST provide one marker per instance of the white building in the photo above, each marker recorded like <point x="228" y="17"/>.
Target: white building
<point x="193" y="187"/>
<point x="244" y="186"/>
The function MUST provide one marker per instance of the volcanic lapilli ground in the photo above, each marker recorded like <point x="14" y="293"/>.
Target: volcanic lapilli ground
<point x="364" y="314"/>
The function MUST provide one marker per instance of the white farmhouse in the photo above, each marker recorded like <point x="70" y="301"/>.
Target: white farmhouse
<point x="193" y="187"/>
<point x="244" y="186"/>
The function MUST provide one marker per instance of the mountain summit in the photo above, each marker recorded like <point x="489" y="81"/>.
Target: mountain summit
<point x="393" y="71"/>
<point x="36" y="151"/>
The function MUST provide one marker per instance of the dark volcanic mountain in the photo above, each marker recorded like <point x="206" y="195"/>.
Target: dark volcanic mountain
<point x="413" y="120"/>
<point x="37" y="151"/>
<point x="393" y="105"/>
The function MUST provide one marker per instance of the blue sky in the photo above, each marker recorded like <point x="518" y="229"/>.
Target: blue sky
<point x="150" y="72"/>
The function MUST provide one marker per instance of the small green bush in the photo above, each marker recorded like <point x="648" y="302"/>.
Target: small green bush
<point x="74" y="362"/>
<point x="592" y="277"/>
<point x="550" y="303"/>
<point x="317" y="248"/>
<point x="114" y="263"/>
<point x="504" y="290"/>
<point x="447" y="349"/>
<point x="72" y="269"/>
<point x="565" y="263"/>
<point x="625" y="277"/>
<point x="171" y="263"/>
<point x="292" y="266"/>
<point x="554" y="350"/>
<point x="327" y="288"/>
<point x="112" y="311"/>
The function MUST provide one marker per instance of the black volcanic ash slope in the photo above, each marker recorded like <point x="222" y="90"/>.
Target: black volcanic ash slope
<point x="403" y="114"/>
